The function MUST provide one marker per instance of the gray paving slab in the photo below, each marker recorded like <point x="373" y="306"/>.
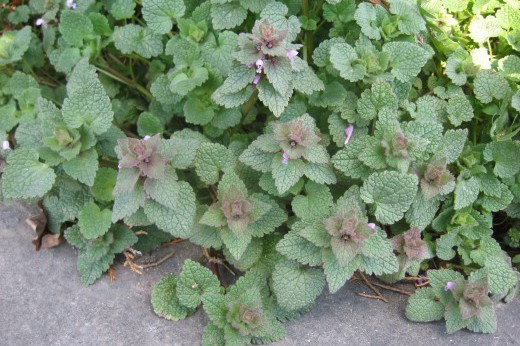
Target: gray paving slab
<point x="43" y="303"/>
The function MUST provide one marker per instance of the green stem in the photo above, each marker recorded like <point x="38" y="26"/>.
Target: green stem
<point x="306" y="51"/>
<point x="131" y="65"/>
<point x="31" y="71"/>
<point x="490" y="51"/>
<point x="122" y="79"/>
<point x="249" y="103"/>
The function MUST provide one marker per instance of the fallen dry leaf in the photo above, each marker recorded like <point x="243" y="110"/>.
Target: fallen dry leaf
<point x="38" y="223"/>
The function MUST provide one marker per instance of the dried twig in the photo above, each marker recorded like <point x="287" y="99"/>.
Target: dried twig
<point x="418" y="281"/>
<point x="221" y="262"/>
<point x="372" y="287"/>
<point x="159" y="262"/>
<point x="130" y="262"/>
<point x="394" y="289"/>
<point x="141" y="232"/>
<point x="174" y="241"/>
<point x="111" y="274"/>
<point x="366" y="295"/>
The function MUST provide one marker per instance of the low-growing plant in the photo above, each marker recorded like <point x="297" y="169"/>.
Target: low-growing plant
<point x="297" y="142"/>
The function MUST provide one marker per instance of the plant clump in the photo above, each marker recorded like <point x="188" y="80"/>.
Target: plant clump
<point x="298" y="144"/>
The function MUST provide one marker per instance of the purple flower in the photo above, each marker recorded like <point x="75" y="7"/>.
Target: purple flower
<point x="449" y="286"/>
<point x="41" y="22"/>
<point x="70" y="4"/>
<point x="348" y="132"/>
<point x="292" y="53"/>
<point x="256" y="80"/>
<point x="119" y="166"/>
<point x="285" y="158"/>
<point x="5" y="145"/>
<point x="259" y="65"/>
<point x="146" y="138"/>
<point x="372" y="225"/>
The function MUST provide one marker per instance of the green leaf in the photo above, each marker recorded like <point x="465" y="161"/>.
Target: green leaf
<point x="454" y="321"/>
<point x="391" y="192"/>
<point x="422" y="211"/>
<point x="466" y="192"/>
<point x="439" y="278"/>
<point x="410" y="21"/>
<point x="160" y="90"/>
<point x="274" y="218"/>
<point x="315" y="204"/>
<point x="510" y="66"/>
<point x="149" y="124"/>
<point x="336" y="274"/>
<point x="213" y="336"/>
<point x="91" y="269"/>
<point x="376" y="99"/>
<point x="165" y="191"/>
<point x="87" y="102"/>
<point x="249" y="258"/>
<point x="276" y="13"/>
<point x="133" y="38"/>
<point x="214" y="304"/>
<point x="306" y="81"/>
<point x="508" y="16"/>
<point x="236" y="245"/>
<point x="501" y="276"/>
<point x="213" y="217"/>
<point x="296" y="287"/>
<point x="25" y="177"/>
<point x="75" y="27"/>
<point x="285" y="176"/>
<point x="203" y="235"/>
<point x="506" y="158"/>
<point x="387" y="264"/>
<point x="485" y="322"/>
<point x="459" y="110"/>
<point x="424" y="307"/>
<point x="347" y="160"/>
<point x="345" y="59"/>
<point x="19" y="15"/>
<point x="257" y="159"/>
<point x="210" y="160"/>
<point x="452" y="145"/>
<point x="83" y="167"/>
<point x="406" y="59"/>
<point x="198" y="111"/>
<point x="94" y="222"/>
<point x="165" y="302"/>
<point x="193" y="282"/>
<point x="320" y="173"/>
<point x="13" y="45"/>
<point x="176" y="221"/>
<point x="279" y="74"/>
<point x="299" y="249"/>
<point x="218" y="53"/>
<point x="489" y="85"/>
<point x="274" y="100"/>
<point x="123" y="238"/>
<point x="481" y="29"/>
<point x="121" y="9"/>
<point x="370" y="18"/>
<point x="227" y="15"/>
<point x="159" y="14"/>
<point x="227" y="118"/>
<point x="500" y="202"/>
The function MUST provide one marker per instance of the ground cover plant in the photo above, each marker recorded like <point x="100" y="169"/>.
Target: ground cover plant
<point x="297" y="142"/>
